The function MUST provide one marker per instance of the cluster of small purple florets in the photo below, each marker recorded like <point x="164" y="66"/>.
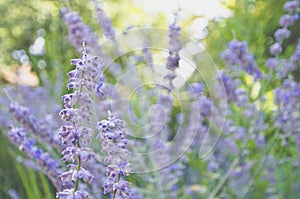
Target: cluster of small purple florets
<point x="45" y="161"/>
<point x="40" y="133"/>
<point x="75" y="135"/>
<point x="78" y="31"/>
<point x="114" y="143"/>
<point x="284" y="66"/>
<point x="237" y="58"/>
<point x="287" y="98"/>
<point x="285" y="21"/>
<point x="175" y="46"/>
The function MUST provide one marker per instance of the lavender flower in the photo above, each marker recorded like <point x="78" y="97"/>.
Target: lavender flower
<point x="78" y="31"/>
<point x="175" y="46"/>
<point x="284" y="68"/>
<point x="287" y="97"/>
<point x="114" y="143"/>
<point x="104" y="21"/>
<point x="14" y="194"/>
<point x="74" y="134"/>
<point x="285" y="21"/>
<point x="39" y="128"/>
<point x="272" y="63"/>
<point x="296" y="55"/>
<point x="233" y="94"/>
<point x="276" y="49"/>
<point x="196" y="89"/>
<point x="291" y="6"/>
<point x="45" y="161"/>
<point x="282" y="33"/>
<point x="238" y="57"/>
<point x="288" y="20"/>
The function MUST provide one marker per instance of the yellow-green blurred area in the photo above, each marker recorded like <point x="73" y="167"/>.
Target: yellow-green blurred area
<point x="34" y="48"/>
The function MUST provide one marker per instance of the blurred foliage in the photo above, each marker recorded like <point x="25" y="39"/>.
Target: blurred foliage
<point x="25" y="181"/>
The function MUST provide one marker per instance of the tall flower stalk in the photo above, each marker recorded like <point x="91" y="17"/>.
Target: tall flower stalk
<point x="114" y="143"/>
<point x="75" y="134"/>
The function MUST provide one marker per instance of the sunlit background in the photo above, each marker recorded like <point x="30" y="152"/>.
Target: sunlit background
<point x="25" y="29"/>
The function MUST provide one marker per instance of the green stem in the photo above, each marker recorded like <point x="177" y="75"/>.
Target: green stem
<point x="78" y="168"/>
<point x="262" y="163"/>
<point x="223" y="179"/>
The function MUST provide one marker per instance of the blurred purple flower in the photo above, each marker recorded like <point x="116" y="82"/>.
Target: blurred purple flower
<point x="276" y="49"/>
<point x="282" y="33"/>
<point x="237" y="57"/>
<point x="291" y="6"/>
<point x="288" y="20"/>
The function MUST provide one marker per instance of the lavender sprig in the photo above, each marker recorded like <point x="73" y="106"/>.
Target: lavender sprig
<point x="78" y="31"/>
<point x="237" y="58"/>
<point x="287" y="20"/>
<point x="288" y="117"/>
<point x="175" y="46"/>
<point x="75" y="135"/>
<point x="29" y="121"/>
<point x="114" y="143"/>
<point x="45" y="161"/>
<point x="104" y="21"/>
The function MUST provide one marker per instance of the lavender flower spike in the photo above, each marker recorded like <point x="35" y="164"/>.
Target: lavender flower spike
<point x="104" y="21"/>
<point x="48" y="164"/>
<point x="114" y="143"/>
<point x="238" y="57"/>
<point x="31" y="123"/>
<point x="174" y="47"/>
<point x="78" y="31"/>
<point x="74" y="134"/>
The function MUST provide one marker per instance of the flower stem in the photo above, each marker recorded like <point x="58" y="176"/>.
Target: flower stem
<point x="78" y="168"/>
<point x="223" y="180"/>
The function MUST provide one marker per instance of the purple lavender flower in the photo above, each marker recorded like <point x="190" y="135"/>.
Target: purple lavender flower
<point x="74" y="134"/>
<point x="71" y="194"/>
<point x="287" y="98"/>
<point x="175" y="44"/>
<point x="78" y="31"/>
<point x="272" y="63"/>
<point x="196" y="89"/>
<point x="276" y="49"/>
<point x="233" y="93"/>
<point x="296" y="55"/>
<point x="39" y="128"/>
<point x="288" y="20"/>
<point x="282" y="33"/>
<point x="238" y="57"/>
<point x="14" y="194"/>
<point x="285" y="68"/>
<point x="104" y="21"/>
<point x="98" y="88"/>
<point x="291" y="6"/>
<point x="114" y="143"/>
<point x="45" y="161"/>
<point x="173" y="59"/>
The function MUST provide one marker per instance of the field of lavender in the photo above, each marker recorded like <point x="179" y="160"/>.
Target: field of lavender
<point x="105" y="100"/>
